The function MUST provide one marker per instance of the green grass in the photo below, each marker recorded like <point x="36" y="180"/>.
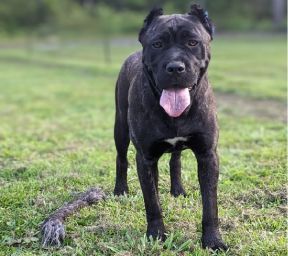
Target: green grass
<point x="57" y="113"/>
<point x="254" y="67"/>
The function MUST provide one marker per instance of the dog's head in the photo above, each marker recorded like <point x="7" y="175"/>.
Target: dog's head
<point x="176" y="55"/>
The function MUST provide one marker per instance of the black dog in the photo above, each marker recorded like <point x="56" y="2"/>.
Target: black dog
<point x="164" y="104"/>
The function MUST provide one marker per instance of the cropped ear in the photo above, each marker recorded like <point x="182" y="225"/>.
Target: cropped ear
<point x="202" y="15"/>
<point x="155" y="12"/>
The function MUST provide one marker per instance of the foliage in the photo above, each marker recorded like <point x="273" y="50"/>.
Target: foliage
<point x="13" y="15"/>
<point x="98" y="16"/>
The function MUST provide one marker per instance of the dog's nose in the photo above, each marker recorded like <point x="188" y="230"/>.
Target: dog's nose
<point x="175" y="67"/>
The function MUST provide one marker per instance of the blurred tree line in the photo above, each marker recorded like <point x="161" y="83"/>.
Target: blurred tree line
<point x="126" y="16"/>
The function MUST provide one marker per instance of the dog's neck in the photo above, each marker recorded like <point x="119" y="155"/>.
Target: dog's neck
<point x="151" y="81"/>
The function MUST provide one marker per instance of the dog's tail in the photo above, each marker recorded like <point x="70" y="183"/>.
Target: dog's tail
<point x="52" y="229"/>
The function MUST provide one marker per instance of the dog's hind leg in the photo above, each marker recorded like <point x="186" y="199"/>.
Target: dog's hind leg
<point x="121" y="135"/>
<point x="175" y="175"/>
<point x="122" y="143"/>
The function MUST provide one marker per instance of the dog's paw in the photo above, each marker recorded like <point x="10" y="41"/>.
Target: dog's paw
<point x="121" y="191"/>
<point x="53" y="233"/>
<point x="214" y="242"/>
<point x="156" y="230"/>
<point x="178" y="191"/>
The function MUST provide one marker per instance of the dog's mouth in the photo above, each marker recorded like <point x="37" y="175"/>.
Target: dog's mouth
<point x="175" y="100"/>
<point x="192" y="87"/>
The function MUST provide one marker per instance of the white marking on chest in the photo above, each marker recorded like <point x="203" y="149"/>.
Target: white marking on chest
<point x="173" y="141"/>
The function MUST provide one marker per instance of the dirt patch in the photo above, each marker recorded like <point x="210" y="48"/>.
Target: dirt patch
<point x="260" y="198"/>
<point x="244" y="106"/>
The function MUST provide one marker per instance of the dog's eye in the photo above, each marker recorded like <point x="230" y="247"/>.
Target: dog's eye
<point x="192" y="43"/>
<point x="157" y="44"/>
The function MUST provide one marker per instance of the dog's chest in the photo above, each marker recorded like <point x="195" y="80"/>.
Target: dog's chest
<point x="175" y="144"/>
<point x="174" y="141"/>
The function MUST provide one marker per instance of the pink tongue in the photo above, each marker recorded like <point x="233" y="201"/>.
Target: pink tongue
<point x="175" y="101"/>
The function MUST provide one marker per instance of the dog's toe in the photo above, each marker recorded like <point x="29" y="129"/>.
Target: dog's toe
<point x="179" y="191"/>
<point x="156" y="230"/>
<point x="121" y="191"/>
<point x="214" y="243"/>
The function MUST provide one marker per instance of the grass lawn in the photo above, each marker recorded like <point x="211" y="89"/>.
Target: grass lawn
<point x="56" y="140"/>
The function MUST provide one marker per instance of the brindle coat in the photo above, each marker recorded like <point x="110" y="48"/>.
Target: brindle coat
<point x="166" y="39"/>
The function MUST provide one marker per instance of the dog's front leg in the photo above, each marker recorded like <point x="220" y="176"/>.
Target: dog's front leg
<point x="208" y="172"/>
<point x="147" y="172"/>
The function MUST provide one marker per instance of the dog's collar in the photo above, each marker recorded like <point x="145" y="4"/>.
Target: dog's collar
<point x="151" y="81"/>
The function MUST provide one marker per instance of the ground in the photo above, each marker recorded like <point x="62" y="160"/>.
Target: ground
<point x="56" y="135"/>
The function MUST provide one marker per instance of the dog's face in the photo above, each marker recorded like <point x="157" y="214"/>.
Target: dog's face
<point x="176" y="54"/>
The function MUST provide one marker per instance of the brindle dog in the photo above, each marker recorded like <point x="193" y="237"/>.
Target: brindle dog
<point x="165" y="104"/>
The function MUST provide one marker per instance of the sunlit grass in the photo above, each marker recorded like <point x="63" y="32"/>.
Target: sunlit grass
<point x="56" y="135"/>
